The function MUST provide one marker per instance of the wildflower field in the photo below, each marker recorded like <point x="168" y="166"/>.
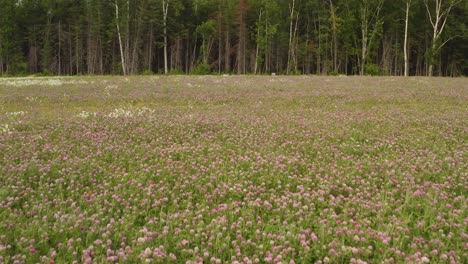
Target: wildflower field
<point x="233" y="169"/>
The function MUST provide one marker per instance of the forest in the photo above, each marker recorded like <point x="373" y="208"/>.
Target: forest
<point x="323" y="37"/>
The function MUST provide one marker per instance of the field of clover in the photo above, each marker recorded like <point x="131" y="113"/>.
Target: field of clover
<point x="233" y="169"/>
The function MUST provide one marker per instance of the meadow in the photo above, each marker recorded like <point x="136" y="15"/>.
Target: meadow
<point x="233" y="169"/>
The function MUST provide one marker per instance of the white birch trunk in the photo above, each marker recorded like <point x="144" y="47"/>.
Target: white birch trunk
<point x="290" y="47"/>
<point x="405" y="48"/>
<point x="257" y="48"/>
<point x="165" y="6"/>
<point x="438" y="22"/>
<point x="120" y="39"/>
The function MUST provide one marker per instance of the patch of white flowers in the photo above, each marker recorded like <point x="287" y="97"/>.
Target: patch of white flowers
<point x="32" y="99"/>
<point x="144" y="111"/>
<point x="21" y="82"/>
<point x="130" y="112"/>
<point x="86" y="115"/>
<point x="4" y="128"/>
<point x="13" y="114"/>
<point x="108" y="88"/>
<point x="120" y="112"/>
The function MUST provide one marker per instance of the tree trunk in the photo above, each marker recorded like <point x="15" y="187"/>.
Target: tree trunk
<point x="187" y="53"/>
<point x="165" y="4"/>
<point x="369" y="16"/>
<point x="405" y="45"/>
<point x="219" y="38"/>
<point x="194" y="53"/>
<point x="59" y="48"/>
<point x="150" y="47"/>
<point x="364" y="31"/>
<point x="242" y="38"/>
<point x="227" y="52"/>
<point x="257" y="48"/>
<point x="319" y="51"/>
<point x="267" y="47"/>
<point x="438" y="24"/>
<point x="136" y="45"/>
<point x="334" y="38"/>
<point x="290" y="47"/>
<point x="120" y="39"/>
<point x="295" y="44"/>
<point x="127" y="41"/>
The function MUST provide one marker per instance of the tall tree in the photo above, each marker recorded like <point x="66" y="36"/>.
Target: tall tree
<point x="405" y="45"/>
<point x="334" y="26"/>
<point x="165" y="8"/>
<point x="371" y="24"/>
<point x="241" y="48"/>
<point x="293" y="16"/>
<point x="438" y="12"/>
<point x="8" y="36"/>
<point x="245" y="36"/>
<point x="206" y="30"/>
<point x="124" y="68"/>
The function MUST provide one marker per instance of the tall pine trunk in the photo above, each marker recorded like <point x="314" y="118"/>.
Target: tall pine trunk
<point x="242" y="38"/>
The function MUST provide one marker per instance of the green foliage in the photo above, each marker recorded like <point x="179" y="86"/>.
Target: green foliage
<point x="9" y="38"/>
<point x="333" y="73"/>
<point x="19" y="68"/>
<point x="44" y="73"/>
<point x="207" y="29"/>
<point x="202" y="69"/>
<point x="147" y="72"/>
<point x="163" y="167"/>
<point x="80" y="37"/>
<point x="373" y="69"/>
<point x="176" y="71"/>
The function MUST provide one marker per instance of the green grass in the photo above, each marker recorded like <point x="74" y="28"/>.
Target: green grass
<point x="233" y="168"/>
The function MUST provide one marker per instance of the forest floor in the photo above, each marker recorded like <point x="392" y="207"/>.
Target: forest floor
<point x="240" y="169"/>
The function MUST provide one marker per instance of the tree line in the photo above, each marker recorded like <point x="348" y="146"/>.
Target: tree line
<point x="353" y="37"/>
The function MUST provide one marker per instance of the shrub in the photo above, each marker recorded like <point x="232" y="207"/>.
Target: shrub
<point x="176" y="71"/>
<point x="147" y="72"/>
<point x="201" y="69"/>
<point x="373" y="69"/>
<point x="44" y="73"/>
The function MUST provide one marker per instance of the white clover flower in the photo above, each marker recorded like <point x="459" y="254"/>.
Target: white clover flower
<point x="19" y="113"/>
<point x="21" y="82"/>
<point x="120" y="112"/>
<point x="32" y="99"/>
<point x="4" y="128"/>
<point x="110" y="87"/>
<point x="131" y="112"/>
<point x="144" y="111"/>
<point x="85" y="114"/>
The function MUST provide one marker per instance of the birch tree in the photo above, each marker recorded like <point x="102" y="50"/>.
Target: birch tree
<point x="206" y="30"/>
<point x="165" y="8"/>
<point x="405" y="45"/>
<point x="122" y="57"/>
<point x="438" y="12"/>
<point x="293" y="20"/>
<point x="370" y="25"/>
<point x="420" y="37"/>
<point x="334" y="26"/>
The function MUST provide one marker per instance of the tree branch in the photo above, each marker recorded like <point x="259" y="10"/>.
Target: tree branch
<point x="429" y="13"/>
<point x="445" y="42"/>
